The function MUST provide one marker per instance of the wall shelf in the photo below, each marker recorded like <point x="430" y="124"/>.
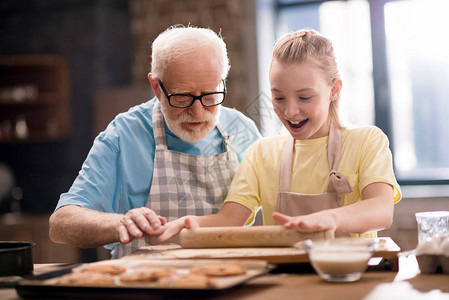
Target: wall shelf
<point x="34" y="89"/>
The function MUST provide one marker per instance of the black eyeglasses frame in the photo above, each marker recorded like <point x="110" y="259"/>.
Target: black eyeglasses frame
<point x="200" y="97"/>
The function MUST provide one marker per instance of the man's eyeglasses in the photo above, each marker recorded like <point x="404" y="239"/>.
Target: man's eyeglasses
<point x="186" y="100"/>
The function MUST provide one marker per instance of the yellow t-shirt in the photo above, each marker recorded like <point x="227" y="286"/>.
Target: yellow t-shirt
<point x="366" y="158"/>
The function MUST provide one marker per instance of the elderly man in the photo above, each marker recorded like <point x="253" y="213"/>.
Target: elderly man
<point x="172" y="156"/>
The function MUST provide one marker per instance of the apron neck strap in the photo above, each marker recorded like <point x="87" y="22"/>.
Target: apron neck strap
<point x="285" y="171"/>
<point x="338" y="183"/>
<point x="227" y="139"/>
<point x="159" y="127"/>
<point x="334" y="147"/>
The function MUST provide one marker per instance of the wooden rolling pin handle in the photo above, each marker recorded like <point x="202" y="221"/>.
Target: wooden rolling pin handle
<point x="256" y="236"/>
<point x="235" y="236"/>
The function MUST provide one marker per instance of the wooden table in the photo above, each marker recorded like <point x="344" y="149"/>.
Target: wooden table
<point x="408" y="283"/>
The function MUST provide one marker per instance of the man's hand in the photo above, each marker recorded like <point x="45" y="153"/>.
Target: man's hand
<point x="138" y="221"/>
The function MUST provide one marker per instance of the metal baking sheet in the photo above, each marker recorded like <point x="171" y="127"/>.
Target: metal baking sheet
<point x="39" y="286"/>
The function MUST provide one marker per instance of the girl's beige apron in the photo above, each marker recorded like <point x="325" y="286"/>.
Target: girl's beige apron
<point x="294" y="204"/>
<point x="185" y="184"/>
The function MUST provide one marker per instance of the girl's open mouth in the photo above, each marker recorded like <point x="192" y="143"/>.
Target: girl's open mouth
<point x="297" y="125"/>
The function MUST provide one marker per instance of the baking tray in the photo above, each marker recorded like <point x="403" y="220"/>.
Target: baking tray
<point x="41" y="286"/>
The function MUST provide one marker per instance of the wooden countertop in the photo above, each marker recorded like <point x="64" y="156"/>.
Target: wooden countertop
<point x="408" y="283"/>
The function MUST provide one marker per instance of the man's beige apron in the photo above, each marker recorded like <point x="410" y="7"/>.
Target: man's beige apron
<point x="295" y="204"/>
<point x="185" y="184"/>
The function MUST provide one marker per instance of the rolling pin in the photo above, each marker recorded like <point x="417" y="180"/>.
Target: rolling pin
<point x="234" y="236"/>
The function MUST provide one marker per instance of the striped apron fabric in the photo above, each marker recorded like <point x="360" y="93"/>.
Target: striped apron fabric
<point x="185" y="184"/>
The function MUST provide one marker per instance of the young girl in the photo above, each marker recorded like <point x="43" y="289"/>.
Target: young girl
<point x="323" y="176"/>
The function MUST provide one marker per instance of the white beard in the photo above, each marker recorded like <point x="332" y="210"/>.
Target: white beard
<point x="175" y="126"/>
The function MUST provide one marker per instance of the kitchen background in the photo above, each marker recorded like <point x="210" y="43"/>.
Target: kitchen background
<point x="92" y="59"/>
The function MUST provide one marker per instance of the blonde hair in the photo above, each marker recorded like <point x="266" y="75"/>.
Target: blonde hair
<point x="310" y="46"/>
<point x="177" y="41"/>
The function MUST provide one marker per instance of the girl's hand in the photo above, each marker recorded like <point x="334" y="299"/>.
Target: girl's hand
<point x="318" y="221"/>
<point x="174" y="227"/>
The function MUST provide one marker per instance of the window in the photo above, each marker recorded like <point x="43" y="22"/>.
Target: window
<point x="418" y="68"/>
<point x="394" y="62"/>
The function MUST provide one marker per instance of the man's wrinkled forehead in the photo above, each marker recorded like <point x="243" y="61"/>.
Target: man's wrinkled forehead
<point x="199" y="72"/>
<point x="205" y="87"/>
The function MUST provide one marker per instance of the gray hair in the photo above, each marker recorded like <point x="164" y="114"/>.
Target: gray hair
<point x="178" y="40"/>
